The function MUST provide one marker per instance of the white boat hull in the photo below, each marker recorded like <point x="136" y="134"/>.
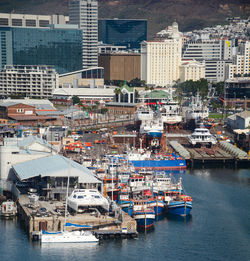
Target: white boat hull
<point x="69" y="237"/>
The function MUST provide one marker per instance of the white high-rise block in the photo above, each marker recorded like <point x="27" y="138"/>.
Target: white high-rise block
<point x="85" y="14"/>
<point x="160" y="60"/>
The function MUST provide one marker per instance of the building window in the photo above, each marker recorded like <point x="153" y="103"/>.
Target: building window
<point x="30" y="22"/>
<point x="4" y="21"/>
<point x="17" y="22"/>
<point x="20" y="110"/>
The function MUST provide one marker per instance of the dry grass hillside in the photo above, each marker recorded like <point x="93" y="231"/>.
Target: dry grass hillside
<point x="190" y="14"/>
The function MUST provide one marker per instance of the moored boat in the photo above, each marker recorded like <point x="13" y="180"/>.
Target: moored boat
<point x="144" y="215"/>
<point x="68" y="237"/>
<point x="149" y="161"/>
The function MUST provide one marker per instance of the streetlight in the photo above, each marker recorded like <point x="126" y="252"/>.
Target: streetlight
<point x="234" y="102"/>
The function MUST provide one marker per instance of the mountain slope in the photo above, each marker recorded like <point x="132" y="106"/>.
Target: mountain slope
<point x="190" y="14"/>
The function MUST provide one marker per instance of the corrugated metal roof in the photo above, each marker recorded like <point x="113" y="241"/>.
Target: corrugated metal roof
<point x="39" y="104"/>
<point x="54" y="166"/>
<point x="27" y="141"/>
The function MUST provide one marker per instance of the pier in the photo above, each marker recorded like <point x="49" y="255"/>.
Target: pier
<point x="221" y="154"/>
<point x="49" y="216"/>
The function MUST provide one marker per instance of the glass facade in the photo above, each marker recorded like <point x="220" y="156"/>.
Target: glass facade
<point x="61" y="48"/>
<point x="122" y="32"/>
<point x="93" y="73"/>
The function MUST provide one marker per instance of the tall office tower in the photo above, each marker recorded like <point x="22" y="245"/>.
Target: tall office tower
<point x="85" y="14"/>
<point x="122" y="32"/>
<point x="58" y="45"/>
<point x="160" y="60"/>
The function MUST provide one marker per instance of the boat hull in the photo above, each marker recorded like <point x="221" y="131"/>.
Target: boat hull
<point x="180" y="208"/>
<point x="68" y="237"/>
<point x="159" y="207"/>
<point x="155" y="134"/>
<point x="144" y="220"/>
<point x="159" y="164"/>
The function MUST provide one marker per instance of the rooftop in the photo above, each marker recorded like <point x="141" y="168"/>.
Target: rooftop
<point x="54" y="166"/>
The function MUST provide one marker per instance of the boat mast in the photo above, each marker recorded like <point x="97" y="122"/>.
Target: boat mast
<point x="67" y="192"/>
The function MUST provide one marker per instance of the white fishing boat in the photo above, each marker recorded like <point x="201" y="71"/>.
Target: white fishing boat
<point x="8" y="209"/>
<point x="196" y="110"/>
<point x="202" y="136"/>
<point x="144" y="113"/>
<point x="170" y="113"/>
<point x="82" y="199"/>
<point x="154" y="127"/>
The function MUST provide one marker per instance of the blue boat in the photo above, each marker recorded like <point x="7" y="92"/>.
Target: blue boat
<point x="124" y="202"/>
<point x="145" y="218"/>
<point x="179" y="207"/>
<point x="158" y="162"/>
<point x="157" y="205"/>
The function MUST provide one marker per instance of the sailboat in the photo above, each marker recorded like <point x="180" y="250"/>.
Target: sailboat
<point x="76" y="236"/>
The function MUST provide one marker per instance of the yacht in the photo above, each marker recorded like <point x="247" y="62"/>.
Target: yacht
<point x="78" y="236"/>
<point x="82" y="199"/>
<point x="202" y="136"/>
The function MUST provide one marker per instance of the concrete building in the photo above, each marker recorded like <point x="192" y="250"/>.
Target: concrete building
<point x="237" y="91"/>
<point x="216" y="54"/>
<point x="239" y="121"/>
<point x="15" y="150"/>
<point x="120" y="66"/>
<point x="240" y="67"/>
<point x="191" y="70"/>
<point x="28" y="20"/>
<point x="92" y="77"/>
<point x="28" y="81"/>
<point x="84" y="13"/>
<point x="160" y="60"/>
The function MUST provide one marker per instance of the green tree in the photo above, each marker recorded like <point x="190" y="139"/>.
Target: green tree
<point x="76" y="100"/>
<point x="219" y="88"/>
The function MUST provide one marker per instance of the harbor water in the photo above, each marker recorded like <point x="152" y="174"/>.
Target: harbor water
<point x="218" y="229"/>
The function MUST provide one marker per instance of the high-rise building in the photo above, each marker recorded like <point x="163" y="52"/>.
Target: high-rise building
<point x="58" y="45"/>
<point x="122" y="32"/>
<point x="160" y="60"/>
<point x="84" y="13"/>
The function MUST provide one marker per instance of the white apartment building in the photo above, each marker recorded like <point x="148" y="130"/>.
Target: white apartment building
<point x="215" y="53"/>
<point x="28" y="80"/>
<point x="240" y="68"/>
<point x="85" y="14"/>
<point x="192" y="70"/>
<point x="160" y="60"/>
<point x="28" y="20"/>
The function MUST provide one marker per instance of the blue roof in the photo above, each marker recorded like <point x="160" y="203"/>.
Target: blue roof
<point x="54" y="166"/>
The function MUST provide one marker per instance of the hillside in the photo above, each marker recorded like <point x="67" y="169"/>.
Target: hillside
<point x="190" y="14"/>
